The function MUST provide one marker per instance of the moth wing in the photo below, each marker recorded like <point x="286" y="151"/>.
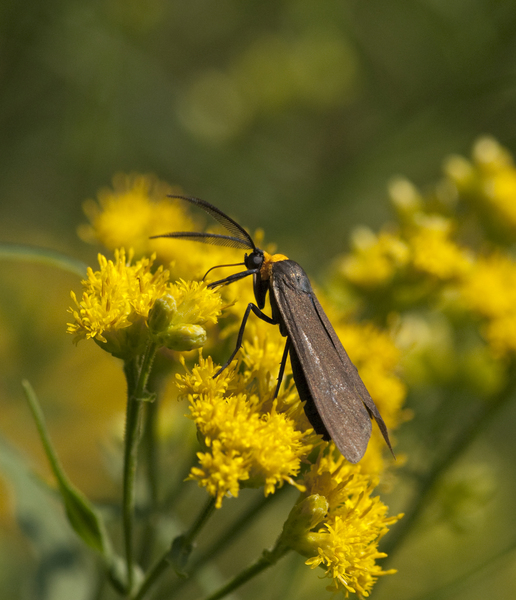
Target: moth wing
<point x="352" y="373"/>
<point x="332" y="379"/>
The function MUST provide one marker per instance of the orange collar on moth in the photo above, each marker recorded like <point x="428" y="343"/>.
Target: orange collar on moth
<point x="268" y="259"/>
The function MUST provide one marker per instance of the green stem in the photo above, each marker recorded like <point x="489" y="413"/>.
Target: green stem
<point x="229" y="534"/>
<point x="150" y="460"/>
<point x="39" y="419"/>
<point x="428" y="483"/>
<point x="201" y="521"/>
<point x="266" y="560"/>
<point x="153" y="574"/>
<point x="136" y="381"/>
<point x="150" y="453"/>
<point x="178" y="552"/>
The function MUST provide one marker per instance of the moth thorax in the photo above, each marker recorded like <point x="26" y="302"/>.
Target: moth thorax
<point x="268" y="260"/>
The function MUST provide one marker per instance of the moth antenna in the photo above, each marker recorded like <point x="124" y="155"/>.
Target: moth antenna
<point x="215" y="239"/>
<point x="227" y="222"/>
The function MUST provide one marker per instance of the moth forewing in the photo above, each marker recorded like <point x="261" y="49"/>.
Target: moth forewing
<point x="323" y="372"/>
<point x="353" y="374"/>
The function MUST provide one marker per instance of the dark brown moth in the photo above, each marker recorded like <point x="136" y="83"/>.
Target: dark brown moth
<point x="337" y="402"/>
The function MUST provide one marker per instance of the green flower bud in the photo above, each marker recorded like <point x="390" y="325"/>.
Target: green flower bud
<point x="167" y="330"/>
<point x="183" y="337"/>
<point x="305" y="515"/>
<point x="161" y="314"/>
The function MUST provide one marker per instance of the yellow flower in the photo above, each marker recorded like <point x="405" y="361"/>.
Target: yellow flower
<point x="343" y="538"/>
<point x="375" y="260"/>
<point x="488" y="184"/>
<point x="261" y="355"/>
<point x="201" y="379"/>
<point x="434" y="252"/>
<point x="491" y="288"/>
<point x="137" y="208"/>
<point x="220" y="472"/>
<point x="115" y="303"/>
<point x="244" y="442"/>
<point x="489" y="156"/>
<point x="117" y="300"/>
<point x="176" y="319"/>
<point x="348" y="549"/>
<point x="501" y="190"/>
<point x="490" y="291"/>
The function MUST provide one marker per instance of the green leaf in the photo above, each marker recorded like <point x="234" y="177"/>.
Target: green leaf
<point x="44" y="256"/>
<point x="179" y="554"/>
<point x="83" y="517"/>
<point x="64" y="567"/>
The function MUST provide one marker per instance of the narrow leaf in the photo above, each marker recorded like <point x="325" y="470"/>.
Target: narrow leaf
<point x="46" y="256"/>
<point x="83" y="517"/>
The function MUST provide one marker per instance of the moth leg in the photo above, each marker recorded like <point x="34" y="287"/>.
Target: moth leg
<point x="260" y="315"/>
<point x="282" y="367"/>
<point x="231" y="278"/>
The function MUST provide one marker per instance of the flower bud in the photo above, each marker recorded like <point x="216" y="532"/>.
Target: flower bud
<point x="183" y="337"/>
<point x="161" y="314"/>
<point x="305" y="515"/>
<point x="167" y="331"/>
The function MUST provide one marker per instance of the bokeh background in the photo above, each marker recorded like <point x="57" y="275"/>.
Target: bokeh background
<point x="291" y="115"/>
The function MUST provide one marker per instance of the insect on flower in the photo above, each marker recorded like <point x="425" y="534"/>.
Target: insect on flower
<point x="337" y="403"/>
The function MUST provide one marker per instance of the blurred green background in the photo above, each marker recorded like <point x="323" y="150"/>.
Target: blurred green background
<point x="290" y="115"/>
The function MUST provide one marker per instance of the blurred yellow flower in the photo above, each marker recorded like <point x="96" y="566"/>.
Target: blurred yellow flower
<point x="488" y="183"/>
<point x="137" y="208"/>
<point x="434" y="252"/>
<point x="375" y="260"/>
<point x="490" y="291"/>
<point x="133" y="210"/>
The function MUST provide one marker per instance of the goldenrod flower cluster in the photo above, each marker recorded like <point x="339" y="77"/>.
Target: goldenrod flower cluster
<point x="487" y="183"/>
<point x="136" y="208"/>
<point x="464" y="264"/>
<point x="120" y="299"/>
<point x="342" y="538"/>
<point x="248" y="437"/>
<point x="420" y="250"/>
<point x="247" y="445"/>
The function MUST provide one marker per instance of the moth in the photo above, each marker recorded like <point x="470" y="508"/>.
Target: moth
<point x="336" y="401"/>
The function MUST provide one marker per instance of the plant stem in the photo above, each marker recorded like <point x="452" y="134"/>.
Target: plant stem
<point x="136" y="377"/>
<point x="150" y="460"/>
<point x="459" y="445"/>
<point x="266" y="560"/>
<point x="218" y="546"/>
<point x="201" y="520"/>
<point x="178" y="552"/>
